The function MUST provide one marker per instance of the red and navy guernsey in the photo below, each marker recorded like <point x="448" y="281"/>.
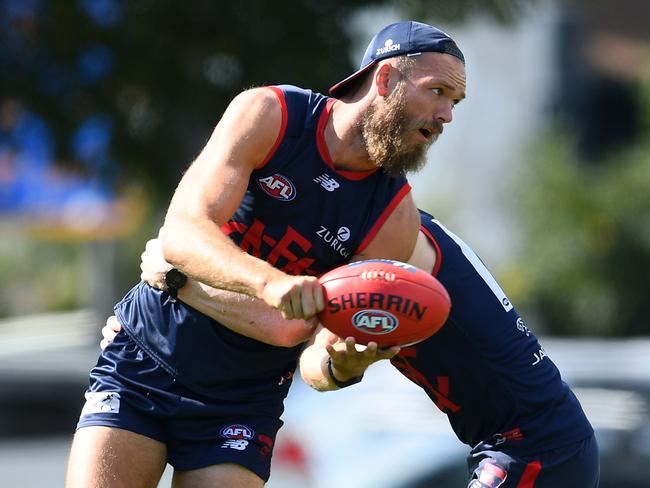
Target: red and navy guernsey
<point x="299" y="214"/>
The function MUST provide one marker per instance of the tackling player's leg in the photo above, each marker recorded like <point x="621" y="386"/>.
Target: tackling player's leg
<point x="107" y="457"/>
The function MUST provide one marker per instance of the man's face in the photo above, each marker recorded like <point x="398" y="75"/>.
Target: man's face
<point x="399" y="129"/>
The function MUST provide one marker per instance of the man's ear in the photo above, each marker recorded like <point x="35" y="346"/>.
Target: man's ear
<point x="382" y="79"/>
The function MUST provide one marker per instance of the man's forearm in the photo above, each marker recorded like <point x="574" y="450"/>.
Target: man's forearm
<point x="245" y="315"/>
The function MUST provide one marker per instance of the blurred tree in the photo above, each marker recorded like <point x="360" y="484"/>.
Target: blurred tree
<point x="151" y="78"/>
<point x="587" y="236"/>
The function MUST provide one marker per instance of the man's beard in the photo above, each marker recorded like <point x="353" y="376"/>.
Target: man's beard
<point x="384" y="130"/>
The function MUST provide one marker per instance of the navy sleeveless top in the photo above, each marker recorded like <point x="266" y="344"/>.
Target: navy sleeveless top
<point x="299" y="214"/>
<point x="485" y="368"/>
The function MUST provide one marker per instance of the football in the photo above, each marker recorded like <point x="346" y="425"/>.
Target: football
<point x="385" y="301"/>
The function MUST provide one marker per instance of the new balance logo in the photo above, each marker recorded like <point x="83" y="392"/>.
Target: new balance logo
<point x="327" y="182"/>
<point x="238" y="444"/>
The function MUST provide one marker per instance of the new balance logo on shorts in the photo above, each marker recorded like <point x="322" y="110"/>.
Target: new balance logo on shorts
<point x="237" y="436"/>
<point x="239" y="444"/>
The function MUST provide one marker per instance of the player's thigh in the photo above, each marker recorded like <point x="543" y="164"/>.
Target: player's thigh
<point x="227" y="475"/>
<point x="107" y="457"/>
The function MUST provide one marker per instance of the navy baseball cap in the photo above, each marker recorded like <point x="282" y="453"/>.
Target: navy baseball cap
<point x="399" y="39"/>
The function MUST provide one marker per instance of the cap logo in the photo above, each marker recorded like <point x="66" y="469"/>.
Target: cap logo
<point x="388" y="47"/>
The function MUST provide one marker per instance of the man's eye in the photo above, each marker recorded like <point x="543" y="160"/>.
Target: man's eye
<point x="437" y="91"/>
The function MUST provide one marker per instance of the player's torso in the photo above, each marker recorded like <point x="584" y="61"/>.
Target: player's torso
<point x="300" y="214"/>
<point x="485" y="368"/>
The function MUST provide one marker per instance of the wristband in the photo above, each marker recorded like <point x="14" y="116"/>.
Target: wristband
<point x="341" y="384"/>
<point x="174" y="280"/>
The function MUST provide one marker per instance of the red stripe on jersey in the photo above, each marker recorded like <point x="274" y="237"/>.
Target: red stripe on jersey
<point x="230" y="227"/>
<point x="285" y="119"/>
<point x="324" y="152"/>
<point x="530" y="475"/>
<point x="383" y="217"/>
<point x="436" y="247"/>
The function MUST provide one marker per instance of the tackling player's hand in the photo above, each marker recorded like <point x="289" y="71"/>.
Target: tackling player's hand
<point x="153" y="265"/>
<point x="296" y="297"/>
<point x="349" y="362"/>
<point x="109" y="331"/>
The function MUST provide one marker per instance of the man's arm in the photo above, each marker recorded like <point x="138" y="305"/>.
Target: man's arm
<point x="241" y="313"/>
<point x="208" y="195"/>
<point x="254" y="318"/>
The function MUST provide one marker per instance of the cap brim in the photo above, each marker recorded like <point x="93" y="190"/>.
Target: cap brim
<point x="342" y="86"/>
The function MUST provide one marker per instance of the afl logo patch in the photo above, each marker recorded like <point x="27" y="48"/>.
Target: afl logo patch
<point x="237" y="431"/>
<point x="375" y="322"/>
<point x="278" y="187"/>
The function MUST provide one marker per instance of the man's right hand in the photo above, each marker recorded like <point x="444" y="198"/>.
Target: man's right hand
<point x="109" y="331"/>
<point x="296" y="297"/>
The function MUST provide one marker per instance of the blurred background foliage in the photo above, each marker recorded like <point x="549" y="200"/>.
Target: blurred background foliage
<point x="586" y="228"/>
<point x="160" y="73"/>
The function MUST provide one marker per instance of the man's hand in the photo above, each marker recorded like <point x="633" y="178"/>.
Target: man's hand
<point x="109" y="331"/>
<point x="296" y="297"/>
<point x="349" y="362"/>
<point x="153" y="265"/>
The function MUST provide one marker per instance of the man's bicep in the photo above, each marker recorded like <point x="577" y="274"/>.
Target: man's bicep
<point x="215" y="183"/>
<point x="424" y="255"/>
<point x="396" y="238"/>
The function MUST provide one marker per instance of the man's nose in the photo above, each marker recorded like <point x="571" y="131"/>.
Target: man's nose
<point x="444" y="113"/>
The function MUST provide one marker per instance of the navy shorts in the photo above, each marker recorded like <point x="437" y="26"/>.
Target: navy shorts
<point x="574" y="466"/>
<point x="129" y="390"/>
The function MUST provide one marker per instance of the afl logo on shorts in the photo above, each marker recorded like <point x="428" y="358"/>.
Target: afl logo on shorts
<point x="375" y="322"/>
<point x="278" y="187"/>
<point x="237" y="431"/>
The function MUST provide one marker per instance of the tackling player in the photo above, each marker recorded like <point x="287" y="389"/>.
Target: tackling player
<point x="485" y="370"/>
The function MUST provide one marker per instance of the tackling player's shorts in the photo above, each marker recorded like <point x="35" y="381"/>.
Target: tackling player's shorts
<point x="574" y="466"/>
<point x="138" y="395"/>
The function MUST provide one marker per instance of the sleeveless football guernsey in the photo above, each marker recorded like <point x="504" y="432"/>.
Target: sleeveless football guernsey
<point x="299" y="214"/>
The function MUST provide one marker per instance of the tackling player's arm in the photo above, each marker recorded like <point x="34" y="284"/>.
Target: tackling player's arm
<point x="241" y="313"/>
<point x="208" y="195"/>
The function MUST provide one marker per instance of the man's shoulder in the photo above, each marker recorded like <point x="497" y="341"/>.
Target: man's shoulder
<point x="295" y="96"/>
<point x="294" y="89"/>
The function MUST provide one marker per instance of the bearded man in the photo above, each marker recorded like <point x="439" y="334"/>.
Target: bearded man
<point x="291" y="184"/>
